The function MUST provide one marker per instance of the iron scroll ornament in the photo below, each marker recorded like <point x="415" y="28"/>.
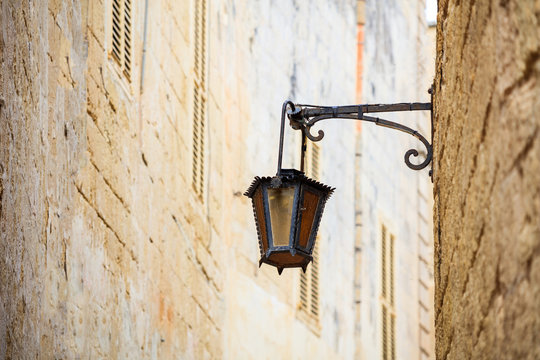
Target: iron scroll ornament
<point x="304" y="117"/>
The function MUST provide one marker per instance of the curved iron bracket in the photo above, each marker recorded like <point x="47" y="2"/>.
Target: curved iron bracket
<point x="303" y="117"/>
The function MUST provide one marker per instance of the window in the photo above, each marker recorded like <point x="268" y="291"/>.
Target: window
<point x="388" y="315"/>
<point x="309" y="281"/>
<point x="121" y="36"/>
<point x="199" y="97"/>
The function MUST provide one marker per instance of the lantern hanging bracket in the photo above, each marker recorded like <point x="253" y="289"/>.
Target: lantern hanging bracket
<point x="303" y="117"/>
<point x="288" y="207"/>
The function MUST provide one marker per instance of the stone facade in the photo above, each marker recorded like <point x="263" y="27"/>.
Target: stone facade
<point x="397" y="66"/>
<point x="487" y="180"/>
<point x="294" y="47"/>
<point x="106" y="249"/>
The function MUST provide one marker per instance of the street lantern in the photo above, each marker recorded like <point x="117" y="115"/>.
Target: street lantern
<point x="288" y="210"/>
<point x="288" y="207"/>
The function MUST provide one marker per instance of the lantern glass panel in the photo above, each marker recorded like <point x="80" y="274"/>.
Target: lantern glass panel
<point x="261" y="220"/>
<point x="280" y="201"/>
<point x="309" y="207"/>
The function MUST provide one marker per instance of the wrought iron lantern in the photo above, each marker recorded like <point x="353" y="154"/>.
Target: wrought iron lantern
<point x="288" y="207"/>
<point x="288" y="210"/>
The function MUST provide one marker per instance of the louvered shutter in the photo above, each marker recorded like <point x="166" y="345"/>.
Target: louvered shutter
<point x="388" y="316"/>
<point x="199" y="97"/>
<point x="121" y="39"/>
<point x="309" y="281"/>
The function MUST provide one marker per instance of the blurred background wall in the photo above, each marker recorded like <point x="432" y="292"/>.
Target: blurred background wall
<point x="394" y="246"/>
<point x="303" y="51"/>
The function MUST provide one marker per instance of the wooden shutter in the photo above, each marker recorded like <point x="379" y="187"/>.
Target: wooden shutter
<point x="393" y="337"/>
<point x="384" y="263"/>
<point x="304" y="291"/>
<point x="127" y="39"/>
<point x="315" y="284"/>
<point x="199" y="97"/>
<point x="315" y="162"/>
<point x="388" y="315"/>
<point x="309" y="281"/>
<point x="121" y="44"/>
<point x="384" y="333"/>
<point x="391" y="269"/>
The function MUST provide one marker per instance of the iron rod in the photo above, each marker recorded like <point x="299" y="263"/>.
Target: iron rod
<point x="282" y="133"/>
<point x="363" y="108"/>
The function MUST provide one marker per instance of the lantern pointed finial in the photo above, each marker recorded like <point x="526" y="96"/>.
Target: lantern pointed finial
<point x="279" y="270"/>
<point x="304" y="268"/>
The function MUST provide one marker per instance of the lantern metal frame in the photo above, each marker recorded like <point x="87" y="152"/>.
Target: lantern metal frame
<point x="303" y="117"/>
<point x="288" y="178"/>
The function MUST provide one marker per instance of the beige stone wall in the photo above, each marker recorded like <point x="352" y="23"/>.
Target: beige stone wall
<point x="398" y="63"/>
<point x="105" y="250"/>
<point x="286" y="49"/>
<point x="42" y="137"/>
<point x="487" y="180"/>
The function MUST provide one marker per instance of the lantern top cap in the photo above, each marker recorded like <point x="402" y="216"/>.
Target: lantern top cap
<point x="288" y="175"/>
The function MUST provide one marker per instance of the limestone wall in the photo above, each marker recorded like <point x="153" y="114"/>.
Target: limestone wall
<point x="487" y="180"/>
<point x="289" y="50"/>
<point x="398" y="67"/>
<point x="105" y="250"/>
<point x="43" y="140"/>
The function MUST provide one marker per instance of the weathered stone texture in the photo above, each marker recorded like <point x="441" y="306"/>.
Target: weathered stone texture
<point x="105" y="250"/>
<point x="487" y="180"/>
<point x="42" y="126"/>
